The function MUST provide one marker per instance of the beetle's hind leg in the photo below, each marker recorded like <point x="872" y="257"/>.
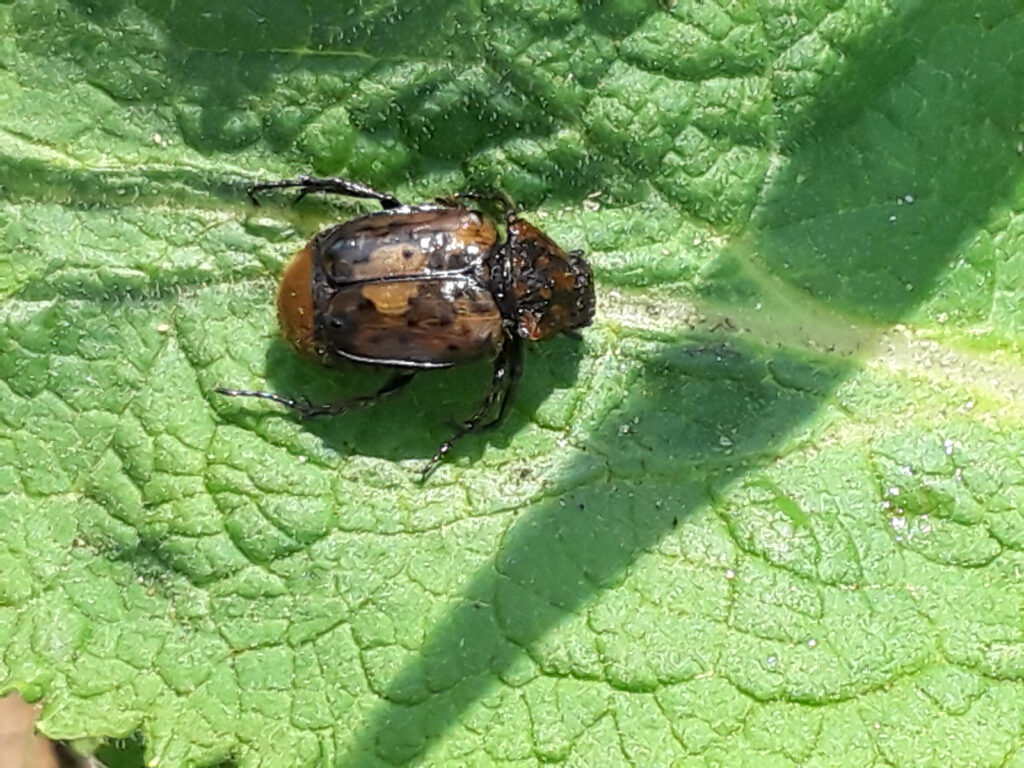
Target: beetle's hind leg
<point x="508" y="367"/>
<point x="331" y="186"/>
<point x="309" y="410"/>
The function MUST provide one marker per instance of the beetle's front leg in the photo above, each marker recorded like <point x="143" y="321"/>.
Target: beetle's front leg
<point x="508" y="367"/>
<point x="490" y="196"/>
<point x="309" y="410"/>
<point x="332" y="186"/>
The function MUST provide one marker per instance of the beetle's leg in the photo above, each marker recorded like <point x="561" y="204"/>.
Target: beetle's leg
<point x="297" y="404"/>
<point x="331" y="186"/>
<point x="308" y="410"/>
<point x="489" y="195"/>
<point x="501" y="392"/>
<point x="393" y="384"/>
<point x="508" y="367"/>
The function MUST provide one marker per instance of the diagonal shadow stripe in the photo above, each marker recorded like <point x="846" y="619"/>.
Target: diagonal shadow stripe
<point x="938" y="126"/>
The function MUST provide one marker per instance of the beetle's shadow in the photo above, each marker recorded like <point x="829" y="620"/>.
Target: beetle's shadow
<point x="412" y="422"/>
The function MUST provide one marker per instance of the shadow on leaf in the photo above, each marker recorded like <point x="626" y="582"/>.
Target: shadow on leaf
<point x="699" y="416"/>
<point x="412" y="422"/>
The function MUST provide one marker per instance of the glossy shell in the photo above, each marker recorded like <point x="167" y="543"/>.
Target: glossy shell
<point x="553" y="290"/>
<point x="402" y="287"/>
<point x="403" y="242"/>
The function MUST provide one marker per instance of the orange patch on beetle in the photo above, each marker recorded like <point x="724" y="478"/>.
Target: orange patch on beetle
<point x="295" y="301"/>
<point x="475" y="231"/>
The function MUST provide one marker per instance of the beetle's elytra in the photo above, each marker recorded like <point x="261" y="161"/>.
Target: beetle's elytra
<point x="412" y="287"/>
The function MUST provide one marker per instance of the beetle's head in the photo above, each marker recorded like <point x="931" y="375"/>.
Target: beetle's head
<point x="554" y="290"/>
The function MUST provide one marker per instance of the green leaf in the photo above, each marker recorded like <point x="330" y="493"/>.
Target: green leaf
<point x="767" y="513"/>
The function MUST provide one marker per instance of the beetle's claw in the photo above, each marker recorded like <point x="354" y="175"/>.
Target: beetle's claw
<point x="428" y="469"/>
<point x="431" y="465"/>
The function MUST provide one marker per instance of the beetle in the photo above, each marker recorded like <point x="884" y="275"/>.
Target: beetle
<point x="426" y="286"/>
